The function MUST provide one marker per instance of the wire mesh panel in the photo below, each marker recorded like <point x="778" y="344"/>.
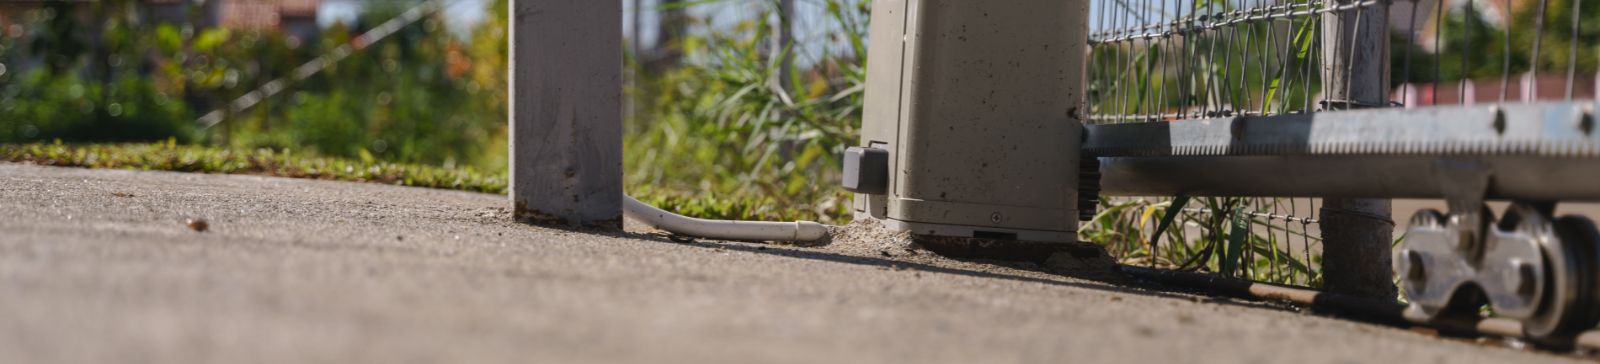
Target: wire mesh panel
<point x="1264" y="239"/>
<point x="1156" y="61"/>
<point x="1166" y="60"/>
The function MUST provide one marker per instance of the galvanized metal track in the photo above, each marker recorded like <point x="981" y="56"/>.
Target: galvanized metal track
<point x="1540" y="151"/>
<point x="1562" y="129"/>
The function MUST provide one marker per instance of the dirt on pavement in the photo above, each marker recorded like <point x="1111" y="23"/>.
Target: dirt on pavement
<point x="102" y="266"/>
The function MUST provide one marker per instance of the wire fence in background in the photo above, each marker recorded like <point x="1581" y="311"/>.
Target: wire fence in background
<point x="1169" y="60"/>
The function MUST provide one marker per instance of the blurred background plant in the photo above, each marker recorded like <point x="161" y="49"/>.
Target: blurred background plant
<point x="737" y="110"/>
<point x="143" y="70"/>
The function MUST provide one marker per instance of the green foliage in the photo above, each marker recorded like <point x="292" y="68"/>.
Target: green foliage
<point x="1475" y="47"/>
<point x="723" y="126"/>
<point x="414" y="97"/>
<point x="1557" y="37"/>
<point x="45" y="105"/>
<point x="1243" y="69"/>
<point x="1212" y="234"/>
<point x="83" y="93"/>
<point x="59" y="43"/>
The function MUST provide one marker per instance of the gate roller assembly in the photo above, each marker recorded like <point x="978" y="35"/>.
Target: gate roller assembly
<point x="972" y="130"/>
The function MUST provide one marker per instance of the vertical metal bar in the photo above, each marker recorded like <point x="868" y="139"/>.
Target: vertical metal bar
<point x="1244" y="62"/>
<point x="1099" y="74"/>
<point x="1146" y="102"/>
<point x="1532" y="93"/>
<point x="1466" y="54"/>
<point x="1185" y="69"/>
<point x="566" y="111"/>
<point x="1350" y="63"/>
<point x="1572" y="51"/>
<point x="1208" y="78"/>
<point x="1305" y="239"/>
<point x="1356" y="232"/>
<point x="1161" y="94"/>
<point x="1438" y="50"/>
<point x="1285" y="62"/>
<point x="1227" y="67"/>
<point x="1267" y="50"/>
<point x="1121" y="22"/>
<point x="1308" y="64"/>
<point x="1505" y="67"/>
<point x="1282" y="67"/>
<point x="785" y="46"/>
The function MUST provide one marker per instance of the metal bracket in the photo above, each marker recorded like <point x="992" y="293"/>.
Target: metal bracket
<point x="1442" y="254"/>
<point x="866" y="170"/>
<point x="1464" y="184"/>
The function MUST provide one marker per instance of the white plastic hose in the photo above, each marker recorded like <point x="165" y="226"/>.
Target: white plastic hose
<point x="722" y="229"/>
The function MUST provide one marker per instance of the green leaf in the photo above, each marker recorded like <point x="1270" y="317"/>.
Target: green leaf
<point x="209" y="39"/>
<point x="1302" y="42"/>
<point x="1173" y="210"/>
<point x="168" y="39"/>
<point x="1238" y="232"/>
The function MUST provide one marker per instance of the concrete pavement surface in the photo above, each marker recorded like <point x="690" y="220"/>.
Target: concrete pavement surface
<point x="98" y="266"/>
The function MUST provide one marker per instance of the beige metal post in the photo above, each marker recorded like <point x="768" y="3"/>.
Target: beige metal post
<point x="971" y="118"/>
<point x="566" y="111"/>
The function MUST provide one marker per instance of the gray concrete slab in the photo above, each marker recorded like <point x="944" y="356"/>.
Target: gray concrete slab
<point x="98" y="266"/>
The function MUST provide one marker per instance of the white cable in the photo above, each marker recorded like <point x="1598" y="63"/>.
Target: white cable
<point x="722" y="229"/>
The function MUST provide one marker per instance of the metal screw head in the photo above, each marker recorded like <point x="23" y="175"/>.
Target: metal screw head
<point x="994" y="217"/>
<point x="1427" y="218"/>
<point x="1466" y="237"/>
<point x="1499" y="120"/>
<point x="1522" y="278"/>
<point x="1414" y="267"/>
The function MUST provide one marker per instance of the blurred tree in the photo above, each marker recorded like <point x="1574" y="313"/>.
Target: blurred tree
<point x="91" y="86"/>
<point x="58" y="42"/>
<point x="672" y="24"/>
<point x="420" y="96"/>
<point x="1556" y="37"/>
<point x="1474" y="46"/>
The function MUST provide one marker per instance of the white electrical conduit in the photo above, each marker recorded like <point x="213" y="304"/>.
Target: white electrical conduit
<point x="722" y="229"/>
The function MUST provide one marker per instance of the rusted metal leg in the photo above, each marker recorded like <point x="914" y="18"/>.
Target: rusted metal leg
<point x="1356" y="237"/>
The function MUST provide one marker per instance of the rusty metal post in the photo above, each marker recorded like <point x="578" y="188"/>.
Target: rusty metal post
<point x="566" y="111"/>
<point x="1356" y="233"/>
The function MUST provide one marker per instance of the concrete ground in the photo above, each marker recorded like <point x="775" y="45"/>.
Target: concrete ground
<point x="98" y="266"/>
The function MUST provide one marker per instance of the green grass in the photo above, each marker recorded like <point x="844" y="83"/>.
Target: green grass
<point x="265" y="162"/>
<point x="298" y="164"/>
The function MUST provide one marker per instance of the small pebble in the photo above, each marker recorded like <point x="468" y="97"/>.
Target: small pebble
<point x="197" y="224"/>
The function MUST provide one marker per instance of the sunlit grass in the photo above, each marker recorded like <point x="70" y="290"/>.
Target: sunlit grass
<point x="301" y="164"/>
<point x="267" y="162"/>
